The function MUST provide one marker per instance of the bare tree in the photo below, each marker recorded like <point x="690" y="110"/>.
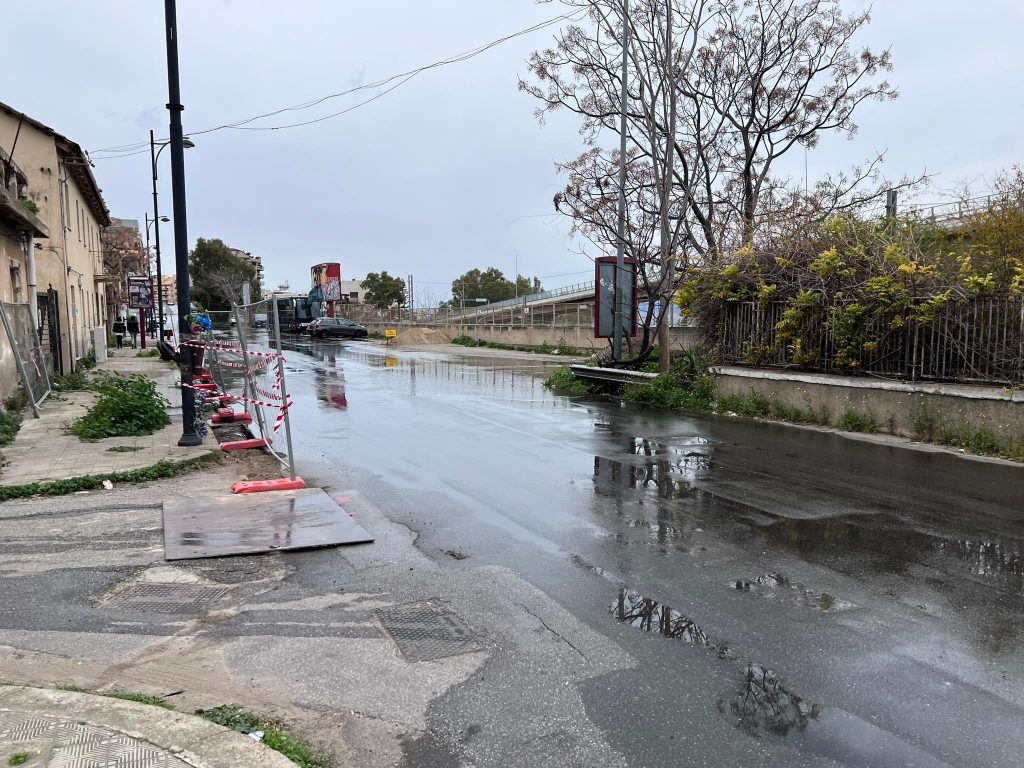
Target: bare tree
<point x="719" y="92"/>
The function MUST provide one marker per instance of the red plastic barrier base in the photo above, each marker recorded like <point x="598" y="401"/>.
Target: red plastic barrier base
<point x="258" y="486"/>
<point x="226" y="400"/>
<point x="232" y="418"/>
<point x="242" y="445"/>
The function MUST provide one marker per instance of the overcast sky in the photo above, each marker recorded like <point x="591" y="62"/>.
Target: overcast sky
<point x="450" y="171"/>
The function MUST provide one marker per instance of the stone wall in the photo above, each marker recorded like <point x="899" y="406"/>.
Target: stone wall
<point x="898" y="406"/>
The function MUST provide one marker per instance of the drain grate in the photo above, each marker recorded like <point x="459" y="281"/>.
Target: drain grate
<point x="167" y="598"/>
<point x="428" y="630"/>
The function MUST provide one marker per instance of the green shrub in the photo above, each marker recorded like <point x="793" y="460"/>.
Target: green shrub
<point x="78" y="381"/>
<point x="86" y="362"/>
<point x="854" y="421"/>
<point x="564" y="382"/>
<point x="16" y="402"/>
<point x="152" y="352"/>
<point x="128" y="405"/>
<point x="755" y="405"/>
<point x="10" y="423"/>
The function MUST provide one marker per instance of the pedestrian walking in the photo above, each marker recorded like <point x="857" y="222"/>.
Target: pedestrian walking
<point x="133" y="329"/>
<point x="119" y="329"/>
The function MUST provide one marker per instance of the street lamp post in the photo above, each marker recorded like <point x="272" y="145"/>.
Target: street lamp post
<point x="159" y="276"/>
<point x="189" y="437"/>
<point x="154" y="155"/>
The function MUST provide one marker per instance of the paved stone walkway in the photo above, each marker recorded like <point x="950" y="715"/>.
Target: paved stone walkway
<point x="56" y="742"/>
<point x="43" y="451"/>
<point x="45" y="728"/>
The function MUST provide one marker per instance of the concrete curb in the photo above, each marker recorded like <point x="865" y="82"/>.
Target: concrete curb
<point x="191" y="739"/>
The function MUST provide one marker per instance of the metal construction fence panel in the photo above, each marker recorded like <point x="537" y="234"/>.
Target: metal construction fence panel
<point x="32" y="362"/>
<point x="970" y="340"/>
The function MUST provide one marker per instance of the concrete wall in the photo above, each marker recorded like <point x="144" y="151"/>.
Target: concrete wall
<point x="895" y="405"/>
<point x="74" y="236"/>
<point x="575" y="336"/>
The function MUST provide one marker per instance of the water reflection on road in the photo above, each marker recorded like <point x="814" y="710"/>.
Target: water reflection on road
<point x="779" y="551"/>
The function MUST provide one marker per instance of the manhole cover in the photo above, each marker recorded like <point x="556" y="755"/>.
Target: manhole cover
<point x="166" y="598"/>
<point x="428" y="630"/>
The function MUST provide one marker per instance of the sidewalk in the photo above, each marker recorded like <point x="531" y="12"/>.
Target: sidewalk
<point x="43" y="451"/>
<point x="61" y="729"/>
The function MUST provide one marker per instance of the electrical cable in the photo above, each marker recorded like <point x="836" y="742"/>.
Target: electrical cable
<point x="127" y="150"/>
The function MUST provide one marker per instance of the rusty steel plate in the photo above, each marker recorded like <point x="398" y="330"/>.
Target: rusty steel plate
<point x="207" y="526"/>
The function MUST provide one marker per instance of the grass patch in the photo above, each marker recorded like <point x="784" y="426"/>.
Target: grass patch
<point x="10" y="423"/>
<point x="70" y="688"/>
<point x="124" y="448"/>
<point x="128" y="406"/>
<point x="18" y="758"/>
<point x="544" y="349"/>
<point x="153" y="352"/>
<point x="275" y="735"/>
<point x="758" y="406"/>
<point x="159" y="471"/>
<point x="930" y="427"/>
<point x="140" y="698"/>
<point x="564" y="382"/>
<point x="855" y="421"/>
<point x="826" y="601"/>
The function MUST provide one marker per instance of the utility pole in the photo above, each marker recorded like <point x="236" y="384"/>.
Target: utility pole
<point x="189" y="437"/>
<point x="620" y="254"/>
<point x="890" y="204"/>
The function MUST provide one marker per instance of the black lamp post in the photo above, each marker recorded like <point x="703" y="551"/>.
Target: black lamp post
<point x="189" y="436"/>
<point x="160" y="294"/>
<point x="154" y="155"/>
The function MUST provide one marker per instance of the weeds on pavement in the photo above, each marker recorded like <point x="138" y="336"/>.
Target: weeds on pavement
<point x="275" y="735"/>
<point x="128" y="405"/>
<point x="140" y="698"/>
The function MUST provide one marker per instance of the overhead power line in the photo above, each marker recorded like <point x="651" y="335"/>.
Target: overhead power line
<point x="129" y="150"/>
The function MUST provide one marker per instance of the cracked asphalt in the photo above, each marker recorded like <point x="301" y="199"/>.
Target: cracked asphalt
<point x="640" y="589"/>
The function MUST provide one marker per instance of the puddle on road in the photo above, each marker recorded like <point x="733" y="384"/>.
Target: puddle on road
<point x="775" y="586"/>
<point x="764" y="705"/>
<point x="656" y="617"/>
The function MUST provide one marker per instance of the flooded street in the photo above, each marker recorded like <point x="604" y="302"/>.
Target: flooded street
<point x="790" y="597"/>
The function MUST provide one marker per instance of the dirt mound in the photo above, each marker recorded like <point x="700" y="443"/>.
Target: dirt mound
<point x="417" y="336"/>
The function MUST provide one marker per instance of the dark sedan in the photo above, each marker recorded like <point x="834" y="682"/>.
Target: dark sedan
<point x="336" y="326"/>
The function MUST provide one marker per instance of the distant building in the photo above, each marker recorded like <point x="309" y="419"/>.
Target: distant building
<point x="69" y="263"/>
<point x="256" y="261"/>
<point x="352" y="292"/>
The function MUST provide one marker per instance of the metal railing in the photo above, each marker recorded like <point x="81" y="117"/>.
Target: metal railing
<point x="970" y="340"/>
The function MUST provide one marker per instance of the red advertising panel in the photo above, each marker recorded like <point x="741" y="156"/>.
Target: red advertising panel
<point x="604" y="297"/>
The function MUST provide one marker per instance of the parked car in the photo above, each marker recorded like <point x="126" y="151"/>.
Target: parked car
<point x="335" y="326"/>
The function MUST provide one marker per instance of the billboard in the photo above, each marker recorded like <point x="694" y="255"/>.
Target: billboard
<point x="140" y="292"/>
<point x="326" y="282"/>
<point x="604" y="298"/>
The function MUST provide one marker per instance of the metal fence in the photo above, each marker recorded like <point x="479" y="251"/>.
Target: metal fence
<point x="973" y="340"/>
<point x="20" y="328"/>
<point x="569" y="314"/>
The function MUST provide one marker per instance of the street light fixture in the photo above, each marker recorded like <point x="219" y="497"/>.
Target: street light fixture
<point x="154" y="155"/>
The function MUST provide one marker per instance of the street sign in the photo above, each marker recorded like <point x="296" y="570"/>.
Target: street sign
<point x="140" y="292"/>
<point x="390" y="333"/>
<point x="604" y="298"/>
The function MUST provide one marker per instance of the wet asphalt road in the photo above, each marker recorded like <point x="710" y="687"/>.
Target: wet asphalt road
<point x="792" y="597"/>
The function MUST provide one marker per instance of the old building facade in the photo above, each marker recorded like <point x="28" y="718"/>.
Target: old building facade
<point x="69" y="263"/>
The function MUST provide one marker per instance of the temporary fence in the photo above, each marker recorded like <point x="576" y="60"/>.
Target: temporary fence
<point x="28" y="352"/>
<point x="245" y="366"/>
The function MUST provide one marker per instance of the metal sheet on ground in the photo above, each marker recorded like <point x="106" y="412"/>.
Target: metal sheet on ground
<point x="218" y="526"/>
